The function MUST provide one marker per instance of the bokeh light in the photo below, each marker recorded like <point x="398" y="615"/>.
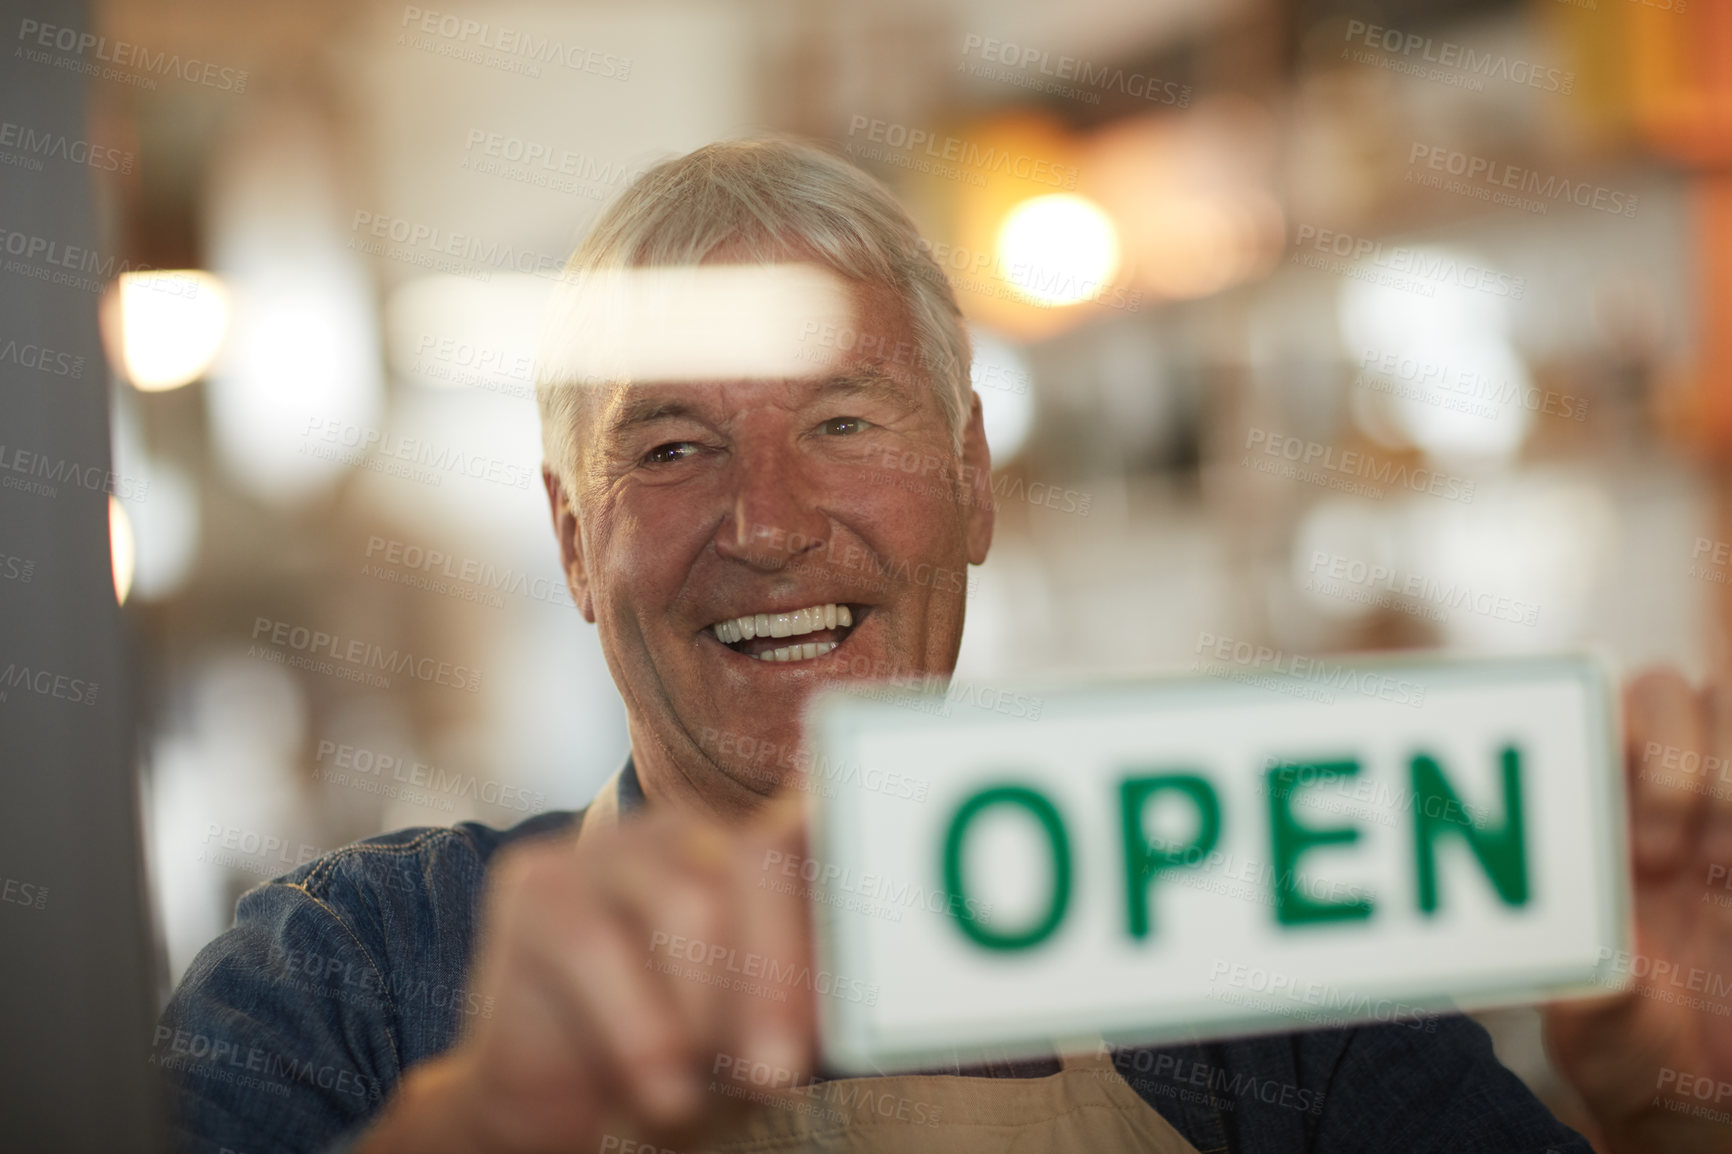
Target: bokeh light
<point x="172" y="324"/>
<point x="1059" y="248"/>
<point x="121" y="551"/>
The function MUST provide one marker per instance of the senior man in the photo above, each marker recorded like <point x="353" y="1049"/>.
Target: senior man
<point x="737" y="541"/>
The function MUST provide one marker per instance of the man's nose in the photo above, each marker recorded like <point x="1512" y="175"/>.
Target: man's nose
<point x="775" y="515"/>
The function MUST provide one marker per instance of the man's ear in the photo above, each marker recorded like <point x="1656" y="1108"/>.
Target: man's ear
<point x="977" y="468"/>
<point x="570" y="535"/>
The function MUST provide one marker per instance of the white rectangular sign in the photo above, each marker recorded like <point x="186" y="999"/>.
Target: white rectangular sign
<point x="1206" y="857"/>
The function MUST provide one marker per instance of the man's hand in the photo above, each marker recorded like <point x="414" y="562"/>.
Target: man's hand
<point x="1669" y="1035"/>
<point x="598" y="1026"/>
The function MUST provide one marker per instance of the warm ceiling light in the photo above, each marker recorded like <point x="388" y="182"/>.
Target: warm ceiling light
<point x="1058" y="249"/>
<point x="120" y="549"/>
<point x="171" y="326"/>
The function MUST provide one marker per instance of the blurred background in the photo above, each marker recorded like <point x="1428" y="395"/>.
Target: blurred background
<point x="1321" y="326"/>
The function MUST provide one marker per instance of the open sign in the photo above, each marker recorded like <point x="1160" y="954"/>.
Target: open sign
<point x="1206" y="857"/>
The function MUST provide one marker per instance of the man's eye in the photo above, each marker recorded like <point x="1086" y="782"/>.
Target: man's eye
<point x="842" y="426"/>
<point x="669" y="453"/>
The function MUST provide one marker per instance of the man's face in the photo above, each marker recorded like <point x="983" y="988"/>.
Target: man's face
<point x="708" y="510"/>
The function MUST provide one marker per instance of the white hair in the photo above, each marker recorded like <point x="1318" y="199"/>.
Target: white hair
<point x="767" y="200"/>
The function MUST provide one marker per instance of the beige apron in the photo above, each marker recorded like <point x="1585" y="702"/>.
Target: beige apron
<point x="1086" y="1107"/>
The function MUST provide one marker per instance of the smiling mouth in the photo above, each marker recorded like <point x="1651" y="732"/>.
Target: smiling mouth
<point x="797" y="636"/>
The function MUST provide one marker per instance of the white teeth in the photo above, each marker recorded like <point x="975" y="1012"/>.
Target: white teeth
<point x="804" y="652"/>
<point x="791" y="624"/>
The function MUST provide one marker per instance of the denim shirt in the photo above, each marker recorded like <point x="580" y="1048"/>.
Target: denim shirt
<point x="290" y="1030"/>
